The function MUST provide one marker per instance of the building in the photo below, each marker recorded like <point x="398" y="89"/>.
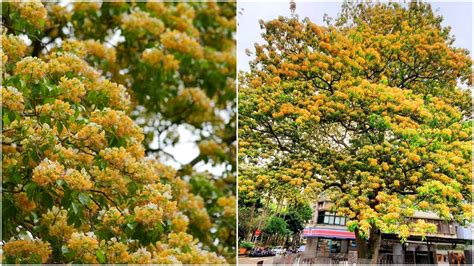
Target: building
<point x="328" y="240"/>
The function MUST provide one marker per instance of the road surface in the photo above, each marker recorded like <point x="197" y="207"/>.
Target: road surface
<point x="244" y="260"/>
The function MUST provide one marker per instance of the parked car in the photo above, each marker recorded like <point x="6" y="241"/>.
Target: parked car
<point x="261" y="252"/>
<point x="278" y="250"/>
<point x="301" y="248"/>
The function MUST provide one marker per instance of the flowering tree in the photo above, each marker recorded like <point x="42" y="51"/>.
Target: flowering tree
<point x="367" y="109"/>
<point x="77" y="185"/>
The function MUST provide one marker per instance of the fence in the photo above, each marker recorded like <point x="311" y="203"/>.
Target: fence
<point x="303" y="260"/>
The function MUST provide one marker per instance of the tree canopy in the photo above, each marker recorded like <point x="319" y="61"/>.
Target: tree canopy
<point x="88" y="91"/>
<point x="371" y="108"/>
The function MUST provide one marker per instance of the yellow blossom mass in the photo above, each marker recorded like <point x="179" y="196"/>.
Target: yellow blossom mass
<point x="79" y="184"/>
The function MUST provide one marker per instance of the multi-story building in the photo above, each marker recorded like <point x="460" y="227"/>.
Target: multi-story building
<point x="327" y="239"/>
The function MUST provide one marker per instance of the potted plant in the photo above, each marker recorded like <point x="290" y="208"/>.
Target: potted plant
<point x="244" y="246"/>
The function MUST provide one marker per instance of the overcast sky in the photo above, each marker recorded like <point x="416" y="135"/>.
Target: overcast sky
<point x="458" y="15"/>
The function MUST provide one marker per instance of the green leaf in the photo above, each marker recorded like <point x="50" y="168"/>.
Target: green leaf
<point x="6" y="120"/>
<point x="132" y="225"/>
<point x="64" y="249"/>
<point x="59" y="125"/>
<point x="75" y="208"/>
<point x="100" y="256"/>
<point x="30" y="189"/>
<point x="47" y="200"/>
<point x="11" y="116"/>
<point x="84" y="199"/>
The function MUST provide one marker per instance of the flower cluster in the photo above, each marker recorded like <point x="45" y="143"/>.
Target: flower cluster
<point x="72" y="89"/>
<point x="112" y="219"/>
<point x="149" y="214"/>
<point x="86" y="6"/>
<point x="13" y="47"/>
<point x="141" y="256"/>
<point x="12" y="99"/>
<point x="27" y="250"/>
<point x="58" y="109"/>
<point x="56" y="221"/>
<point x="180" y="222"/>
<point x="157" y="58"/>
<point x="100" y="51"/>
<point x="118" y="122"/>
<point x="75" y="156"/>
<point x="92" y="136"/>
<point x="24" y="203"/>
<point x="117" y="252"/>
<point x="228" y="203"/>
<point x="180" y="239"/>
<point x="84" y="246"/>
<point x="60" y="64"/>
<point x="141" y="23"/>
<point x="178" y="41"/>
<point x="32" y="12"/>
<point x="78" y="180"/>
<point x="47" y="172"/>
<point x="31" y="67"/>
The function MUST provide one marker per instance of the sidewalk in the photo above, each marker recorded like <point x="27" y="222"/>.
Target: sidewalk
<point x="245" y="260"/>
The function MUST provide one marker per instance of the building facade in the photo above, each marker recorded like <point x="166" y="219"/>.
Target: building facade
<point x="328" y="240"/>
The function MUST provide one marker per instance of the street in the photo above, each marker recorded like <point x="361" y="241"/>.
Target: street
<point x="245" y="260"/>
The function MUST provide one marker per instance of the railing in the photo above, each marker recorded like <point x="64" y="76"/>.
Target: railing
<point x="334" y="259"/>
<point x="303" y="260"/>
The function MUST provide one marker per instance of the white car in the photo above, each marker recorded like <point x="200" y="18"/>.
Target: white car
<point x="278" y="250"/>
<point x="301" y="248"/>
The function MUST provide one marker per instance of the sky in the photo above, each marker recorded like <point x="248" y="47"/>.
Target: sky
<point x="458" y="15"/>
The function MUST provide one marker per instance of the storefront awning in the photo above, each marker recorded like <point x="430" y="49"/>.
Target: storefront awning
<point x="330" y="233"/>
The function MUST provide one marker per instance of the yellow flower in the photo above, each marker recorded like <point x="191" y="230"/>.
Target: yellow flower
<point x="86" y="6"/>
<point x="180" y="239"/>
<point x="21" y="199"/>
<point x="149" y="214"/>
<point x="141" y="256"/>
<point x="56" y="221"/>
<point x="12" y="98"/>
<point x="178" y="41"/>
<point x="47" y="172"/>
<point x="229" y="205"/>
<point x="92" y="135"/>
<point x="78" y="180"/>
<point x="84" y="246"/>
<point x="31" y="67"/>
<point x="23" y="249"/>
<point x="72" y="89"/>
<point x="140" y="22"/>
<point x="117" y="252"/>
<point x="119" y="122"/>
<point x="396" y="183"/>
<point x="157" y="59"/>
<point x="33" y="12"/>
<point x="372" y="162"/>
<point x="180" y="222"/>
<point x="13" y="47"/>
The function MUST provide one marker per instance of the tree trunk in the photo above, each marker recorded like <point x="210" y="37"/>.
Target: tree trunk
<point x="250" y="233"/>
<point x="368" y="249"/>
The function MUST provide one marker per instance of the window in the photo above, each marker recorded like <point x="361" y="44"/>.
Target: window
<point x="335" y="246"/>
<point x="330" y="218"/>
